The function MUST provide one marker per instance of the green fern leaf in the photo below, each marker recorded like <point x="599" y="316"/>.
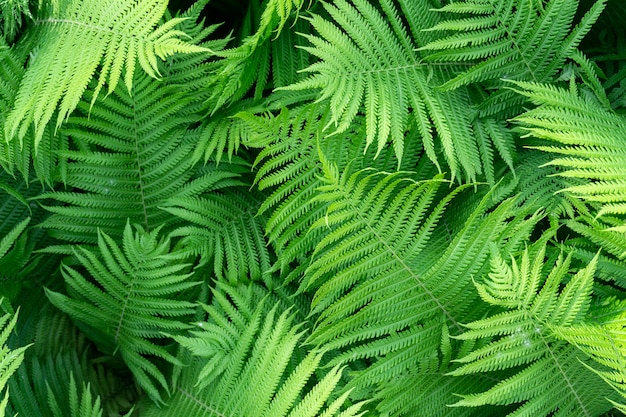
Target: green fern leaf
<point x="246" y="340"/>
<point x="134" y="153"/>
<point x="523" y="40"/>
<point x="114" y="36"/>
<point x="250" y="63"/>
<point x="9" y="240"/>
<point x="587" y="139"/>
<point x="61" y="354"/>
<point x="83" y="407"/>
<point x="10" y="359"/>
<point x="387" y="275"/>
<point x="548" y="374"/>
<point x="12" y="14"/>
<point x="603" y="340"/>
<point x="133" y="302"/>
<point x="367" y="59"/>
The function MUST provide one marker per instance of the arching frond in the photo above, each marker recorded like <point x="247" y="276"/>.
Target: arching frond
<point x="604" y="341"/>
<point x="368" y="64"/>
<point x="387" y="276"/>
<point x="289" y="166"/>
<point x="549" y="376"/>
<point x="78" y="37"/>
<point x="131" y="302"/>
<point x="255" y="343"/>
<point x="588" y="140"/>
<point x="134" y="154"/>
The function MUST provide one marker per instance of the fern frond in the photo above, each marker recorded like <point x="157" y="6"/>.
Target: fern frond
<point x="115" y="35"/>
<point x="224" y="229"/>
<point x="11" y="71"/>
<point x="133" y="301"/>
<point x="59" y="353"/>
<point x="241" y="341"/>
<point x="602" y="234"/>
<point x="12" y="14"/>
<point x="9" y="240"/>
<point x="288" y="165"/>
<point x="134" y="154"/>
<point x="369" y="261"/>
<point x="548" y="374"/>
<point x="603" y="340"/>
<point x="367" y="60"/>
<point x="587" y="139"/>
<point x="520" y="40"/>
<point x="10" y="359"/>
<point x="387" y="275"/>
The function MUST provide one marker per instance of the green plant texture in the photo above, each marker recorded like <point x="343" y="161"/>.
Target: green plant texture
<point x="289" y="208"/>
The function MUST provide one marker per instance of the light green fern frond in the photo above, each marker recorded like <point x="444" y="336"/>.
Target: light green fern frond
<point x="588" y="140"/>
<point x="603" y="339"/>
<point x="77" y="38"/>
<point x="288" y="165"/>
<point x="549" y="376"/>
<point x="132" y="301"/>
<point x="289" y="168"/>
<point x="255" y="343"/>
<point x="368" y="64"/>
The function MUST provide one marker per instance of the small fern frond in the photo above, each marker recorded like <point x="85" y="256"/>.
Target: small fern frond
<point x="606" y="235"/>
<point x="61" y="352"/>
<point x="114" y="36"/>
<point x="82" y="405"/>
<point x="367" y="60"/>
<point x="587" y="139"/>
<point x="9" y="240"/>
<point x="132" y="300"/>
<point x="12" y="14"/>
<point x="251" y="62"/>
<point x="548" y="374"/>
<point x="242" y="341"/>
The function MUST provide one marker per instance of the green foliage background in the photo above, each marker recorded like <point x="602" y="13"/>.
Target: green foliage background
<point x="341" y="208"/>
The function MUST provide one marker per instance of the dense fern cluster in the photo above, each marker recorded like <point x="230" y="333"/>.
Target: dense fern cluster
<point x="331" y="208"/>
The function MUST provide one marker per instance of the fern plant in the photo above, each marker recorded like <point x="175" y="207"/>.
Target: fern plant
<point x="377" y="208"/>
